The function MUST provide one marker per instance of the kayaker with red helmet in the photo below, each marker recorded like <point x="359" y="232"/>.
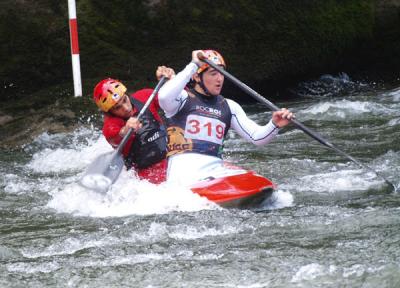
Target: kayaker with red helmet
<point x="198" y="120"/>
<point x="145" y="151"/>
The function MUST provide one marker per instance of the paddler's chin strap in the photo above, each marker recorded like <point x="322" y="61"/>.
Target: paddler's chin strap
<point x="205" y="98"/>
<point x="201" y="84"/>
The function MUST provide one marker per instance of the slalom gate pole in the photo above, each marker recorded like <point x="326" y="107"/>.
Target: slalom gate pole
<point x="73" y="31"/>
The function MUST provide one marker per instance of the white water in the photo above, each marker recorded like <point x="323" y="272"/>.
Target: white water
<point x="59" y="161"/>
<point x="127" y="196"/>
<point x="339" y="227"/>
<point x="347" y="109"/>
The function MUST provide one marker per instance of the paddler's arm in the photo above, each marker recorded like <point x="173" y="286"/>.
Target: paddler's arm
<point x="115" y="130"/>
<point x="248" y="129"/>
<point x="172" y="95"/>
<point x="168" y="73"/>
<point x="133" y="123"/>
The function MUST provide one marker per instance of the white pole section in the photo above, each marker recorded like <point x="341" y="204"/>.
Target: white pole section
<point x="73" y="33"/>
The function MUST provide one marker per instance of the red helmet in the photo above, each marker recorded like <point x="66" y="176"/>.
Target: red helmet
<point x="213" y="56"/>
<point x="107" y="93"/>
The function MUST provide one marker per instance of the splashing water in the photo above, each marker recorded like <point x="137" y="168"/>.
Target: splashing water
<point x="328" y="224"/>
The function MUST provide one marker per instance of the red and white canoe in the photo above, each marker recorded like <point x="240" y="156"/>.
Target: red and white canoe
<point x="243" y="190"/>
<point x="232" y="187"/>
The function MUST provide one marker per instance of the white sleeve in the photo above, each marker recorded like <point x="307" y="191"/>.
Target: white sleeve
<point x="172" y="95"/>
<point x="248" y="129"/>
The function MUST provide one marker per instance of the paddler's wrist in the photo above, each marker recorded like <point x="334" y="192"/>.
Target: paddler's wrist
<point x="273" y="123"/>
<point x="124" y="130"/>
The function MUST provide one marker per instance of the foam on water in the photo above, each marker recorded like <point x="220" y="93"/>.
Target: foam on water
<point x="344" y="180"/>
<point x="395" y="94"/>
<point x="323" y="178"/>
<point x="65" y="159"/>
<point x="326" y="273"/>
<point x="29" y="268"/>
<point x="345" y="109"/>
<point x="127" y="196"/>
<point x="190" y="232"/>
<point x="312" y="271"/>
<point x="279" y="199"/>
<point x="15" y="184"/>
<point x="340" y="181"/>
<point x="51" y="266"/>
<point x="330" y="86"/>
<point x="58" y="155"/>
<point x="156" y="232"/>
<point x="394" y="122"/>
<point x="67" y="246"/>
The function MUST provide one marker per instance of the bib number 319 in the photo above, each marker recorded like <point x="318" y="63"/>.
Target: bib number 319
<point x="204" y="128"/>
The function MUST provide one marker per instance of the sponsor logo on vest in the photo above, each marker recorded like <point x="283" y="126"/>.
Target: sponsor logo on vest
<point x="177" y="143"/>
<point x="154" y="137"/>
<point x="209" y="110"/>
<point x="179" y="147"/>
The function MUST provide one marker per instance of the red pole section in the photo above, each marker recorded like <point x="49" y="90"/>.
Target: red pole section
<point x="73" y="27"/>
<point x="73" y="32"/>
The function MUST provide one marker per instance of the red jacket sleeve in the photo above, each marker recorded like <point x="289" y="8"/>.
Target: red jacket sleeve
<point x="111" y="127"/>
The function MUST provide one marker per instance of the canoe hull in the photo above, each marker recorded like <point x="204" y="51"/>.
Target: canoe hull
<point x="244" y="190"/>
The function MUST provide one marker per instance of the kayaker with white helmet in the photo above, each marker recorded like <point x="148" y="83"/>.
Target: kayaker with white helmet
<point x="145" y="150"/>
<point x="198" y="120"/>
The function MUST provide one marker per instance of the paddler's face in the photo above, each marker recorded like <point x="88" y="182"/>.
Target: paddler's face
<point x="123" y="108"/>
<point x="213" y="80"/>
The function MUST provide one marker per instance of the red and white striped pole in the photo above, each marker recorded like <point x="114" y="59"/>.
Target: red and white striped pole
<point x="73" y="32"/>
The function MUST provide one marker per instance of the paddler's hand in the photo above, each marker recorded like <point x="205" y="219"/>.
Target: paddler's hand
<point x="132" y="122"/>
<point x="196" y="59"/>
<point x="165" y="71"/>
<point x="282" y="117"/>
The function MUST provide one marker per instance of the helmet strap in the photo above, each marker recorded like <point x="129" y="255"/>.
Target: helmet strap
<point x="205" y="98"/>
<point x="201" y="84"/>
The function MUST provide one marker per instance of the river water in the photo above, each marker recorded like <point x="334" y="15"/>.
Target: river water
<point x="329" y="223"/>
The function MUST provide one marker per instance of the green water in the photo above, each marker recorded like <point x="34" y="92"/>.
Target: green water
<point x="330" y="223"/>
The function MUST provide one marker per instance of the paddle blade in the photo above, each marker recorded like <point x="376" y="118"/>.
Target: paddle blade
<point x="103" y="172"/>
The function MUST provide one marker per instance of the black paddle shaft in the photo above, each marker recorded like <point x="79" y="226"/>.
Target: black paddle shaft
<point x="297" y="123"/>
